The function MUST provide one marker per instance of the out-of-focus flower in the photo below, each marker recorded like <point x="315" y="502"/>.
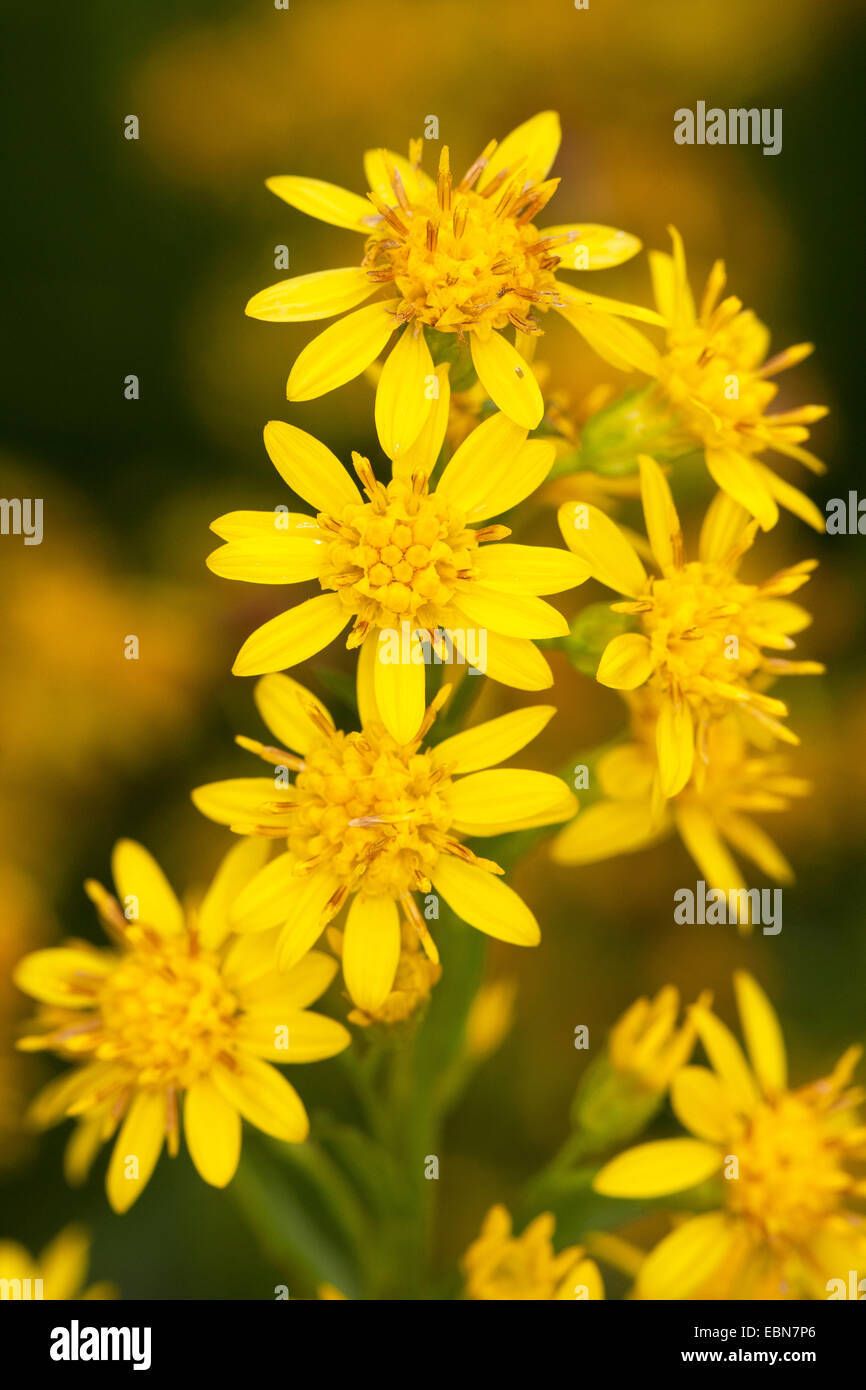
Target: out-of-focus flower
<point x="405" y="562"/>
<point x="502" y="1266"/>
<point x="788" y="1161"/>
<point x="58" y="1273"/>
<point x="714" y="811"/>
<point x="490" y="1017"/>
<point x="715" y="374"/>
<point x="464" y="258"/>
<point x="704" y="631"/>
<point x="26" y="923"/>
<point x="414" y="980"/>
<point x="176" y="1009"/>
<point x="375" y="821"/>
<point x="330" y="1294"/>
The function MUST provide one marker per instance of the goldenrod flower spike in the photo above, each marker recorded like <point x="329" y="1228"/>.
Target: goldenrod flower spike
<point x="459" y="257"/>
<point x="502" y="1266"/>
<point x="404" y="558"/>
<point x="705" y="638"/>
<point x="712" y="813"/>
<point x="372" y="822"/>
<point x="56" y="1274"/>
<point x="787" y="1159"/>
<point x="178" y="1013"/>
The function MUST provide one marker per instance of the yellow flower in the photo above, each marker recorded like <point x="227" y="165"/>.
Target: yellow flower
<point x="704" y="631"/>
<point x="412" y="986"/>
<point x="176" y="1008"/>
<point x="490" y="1017"/>
<point x="463" y="259"/>
<point x="406" y="561"/>
<point x="785" y="1157"/>
<point x="501" y="1266"/>
<point x="646" y="1045"/>
<point x="375" y="821"/>
<point x="58" y="1273"/>
<point x="716" y="374"/>
<point x="712" y="812"/>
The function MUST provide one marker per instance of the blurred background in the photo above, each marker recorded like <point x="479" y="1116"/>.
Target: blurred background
<point x="136" y="257"/>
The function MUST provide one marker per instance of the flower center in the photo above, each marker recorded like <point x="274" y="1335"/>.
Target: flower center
<point x="373" y="811"/>
<point x="166" y="1012"/>
<point x="398" y="555"/>
<point x="696" y="627"/>
<point x="711" y="378"/>
<point x="462" y="259"/>
<point x="790" y="1174"/>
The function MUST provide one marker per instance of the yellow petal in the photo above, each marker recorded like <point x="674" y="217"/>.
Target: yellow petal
<point x="662" y="274"/>
<point x="515" y="661"/>
<point x="791" y="498"/>
<point x="593" y="246"/>
<point x="687" y="1258"/>
<point x="485" y="902"/>
<point x="242" y="862"/>
<point x="379" y="166"/>
<point x="626" y="662"/>
<point x="659" y="1168"/>
<point x="736" y="473"/>
<point x="213" y="1132"/>
<point x="342" y="351"/>
<point x="292" y="636"/>
<point x="496" y="797"/>
<point x="762" y="1033"/>
<point x="306" y="917"/>
<point x="507" y="378"/>
<point x="250" y="961"/>
<point x="528" y="569"/>
<point x="271" y="559"/>
<point x="748" y="837"/>
<point x="368" y="658"/>
<point x="371" y="949"/>
<point x="306" y="297"/>
<point x="84" y="1144"/>
<point x="292" y="1035"/>
<point x="700" y="1103"/>
<point x="704" y="843"/>
<point x="309" y="468"/>
<point x="287" y="708"/>
<point x="399" y="691"/>
<point x="662" y="523"/>
<point x="138" y="876"/>
<point x="136" y="1149"/>
<point x="474" y="476"/>
<point x="63" y="1263"/>
<point x="325" y="201"/>
<point x="402" y="400"/>
<point x="582" y="302"/>
<point x="723" y="529"/>
<point x="534" y="461"/>
<point x="421" y="456"/>
<point x="515" y="615"/>
<point x="493" y="741"/>
<point x="618" y="343"/>
<point x="55" y="976"/>
<point x="727" y="1058"/>
<point x="74" y="1089"/>
<point x="608" y="828"/>
<point x="244" y="526"/>
<point x="531" y="147"/>
<point x="265" y="1098"/>
<point x="241" y="801"/>
<point x="612" y="560"/>
<point x="675" y="745"/>
<point x="266" y="899"/>
<point x="292" y="989"/>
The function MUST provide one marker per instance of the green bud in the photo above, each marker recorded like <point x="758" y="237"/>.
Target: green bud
<point x="611" y="1107"/>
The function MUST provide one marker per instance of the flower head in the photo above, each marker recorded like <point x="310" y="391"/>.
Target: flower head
<point x="57" y="1273"/>
<point x="405" y="563"/>
<point x="455" y="256"/>
<point x="175" y="1010"/>
<point x="502" y="1266"/>
<point x="707" y="642"/>
<point x="716" y="375"/>
<point x="713" y="814"/>
<point x="372" y="822"/>
<point x="413" y="983"/>
<point x="788" y="1162"/>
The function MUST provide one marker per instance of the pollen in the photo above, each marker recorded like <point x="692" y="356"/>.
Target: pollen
<point x="165" y="1011"/>
<point x="372" y="810"/>
<point x="463" y="259"/>
<point x="398" y="555"/>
